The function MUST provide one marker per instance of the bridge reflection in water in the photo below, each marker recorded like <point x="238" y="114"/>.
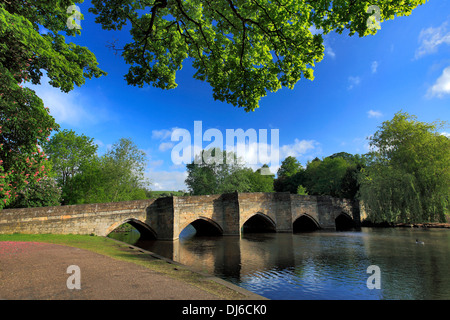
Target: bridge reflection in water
<point x="233" y="258"/>
<point x="202" y="246"/>
<point x="320" y="264"/>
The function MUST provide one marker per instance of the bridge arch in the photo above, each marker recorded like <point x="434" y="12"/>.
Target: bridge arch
<point x="305" y="223"/>
<point x="344" y="222"/>
<point x="259" y="222"/>
<point x="205" y="227"/>
<point x="147" y="233"/>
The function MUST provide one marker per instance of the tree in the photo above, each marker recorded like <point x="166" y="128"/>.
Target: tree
<point x="408" y="176"/>
<point x="125" y="165"/>
<point x="261" y="182"/>
<point x="243" y="49"/>
<point x="289" y="167"/>
<point x="119" y="175"/>
<point x="39" y="193"/>
<point x="24" y="52"/>
<point x="290" y="175"/>
<point x="335" y="175"/>
<point x="24" y="55"/>
<point x="201" y="179"/>
<point x="224" y="176"/>
<point x="325" y="177"/>
<point x="67" y="150"/>
<point x="349" y="183"/>
<point x="25" y="124"/>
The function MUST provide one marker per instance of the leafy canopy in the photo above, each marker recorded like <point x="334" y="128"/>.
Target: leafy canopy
<point x="25" y="53"/>
<point x="67" y="150"/>
<point x="119" y="175"/>
<point x="242" y="48"/>
<point x="408" y="178"/>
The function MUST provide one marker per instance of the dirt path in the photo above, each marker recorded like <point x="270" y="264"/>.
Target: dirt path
<point x="32" y="270"/>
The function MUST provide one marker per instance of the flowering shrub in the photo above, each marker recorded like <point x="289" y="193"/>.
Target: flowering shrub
<point x="5" y="186"/>
<point x="25" y="54"/>
<point x="25" y="125"/>
<point x="39" y="193"/>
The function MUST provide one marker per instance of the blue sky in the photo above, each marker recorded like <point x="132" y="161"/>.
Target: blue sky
<point x="360" y="83"/>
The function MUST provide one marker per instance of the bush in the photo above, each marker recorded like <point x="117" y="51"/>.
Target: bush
<point x="41" y="193"/>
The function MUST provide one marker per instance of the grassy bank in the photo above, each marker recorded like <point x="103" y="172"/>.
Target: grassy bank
<point x="121" y="251"/>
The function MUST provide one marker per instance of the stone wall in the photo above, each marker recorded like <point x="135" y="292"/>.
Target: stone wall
<point x="96" y="219"/>
<point x="167" y="217"/>
<point x="276" y="206"/>
<point x="304" y="205"/>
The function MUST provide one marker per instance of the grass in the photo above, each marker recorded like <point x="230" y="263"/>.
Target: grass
<point x="121" y="251"/>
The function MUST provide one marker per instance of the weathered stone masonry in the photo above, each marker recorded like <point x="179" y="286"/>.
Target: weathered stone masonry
<point x="165" y="218"/>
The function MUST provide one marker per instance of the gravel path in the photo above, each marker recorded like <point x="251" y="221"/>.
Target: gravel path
<point x="32" y="270"/>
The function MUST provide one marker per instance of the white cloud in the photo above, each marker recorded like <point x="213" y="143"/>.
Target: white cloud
<point x="329" y="51"/>
<point x="374" y="66"/>
<point x="167" y="181"/>
<point x="442" y="85"/>
<point x="67" y="108"/>
<point x="255" y="154"/>
<point x="431" y="38"/>
<point x="374" y="114"/>
<point x="156" y="163"/>
<point x="165" y="146"/>
<point x="446" y="134"/>
<point x="298" y="148"/>
<point x="162" y="134"/>
<point x="353" y="82"/>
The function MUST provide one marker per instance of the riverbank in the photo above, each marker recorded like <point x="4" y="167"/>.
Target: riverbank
<point x="406" y="225"/>
<point x="35" y="267"/>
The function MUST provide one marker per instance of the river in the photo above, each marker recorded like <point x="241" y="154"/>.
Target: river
<point x="321" y="264"/>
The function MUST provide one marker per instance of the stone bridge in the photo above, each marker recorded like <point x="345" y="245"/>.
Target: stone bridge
<point x="165" y="218"/>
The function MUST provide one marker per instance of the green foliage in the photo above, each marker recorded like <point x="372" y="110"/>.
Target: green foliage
<point x="302" y="190"/>
<point x="161" y="194"/>
<point x="325" y="177"/>
<point x="261" y="182"/>
<point x="289" y="167"/>
<point x="67" y="150"/>
<point x="24" y="55"/>
<point x="225" y="176"/>
<point x="25" y="125"/>
<point x="39" y="193"/>
<point x="335" y="176"/>
<point x="119" y="175"/>
<point x="290" y="175"/>
<point x="243" y="49"/>
<point x="408" y="177"/>
<point x="25" y="52"/>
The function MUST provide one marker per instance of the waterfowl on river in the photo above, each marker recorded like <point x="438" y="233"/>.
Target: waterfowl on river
<point x="419" y="242"/>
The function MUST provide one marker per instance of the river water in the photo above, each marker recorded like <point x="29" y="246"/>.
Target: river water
<point x="321" y="264"/>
